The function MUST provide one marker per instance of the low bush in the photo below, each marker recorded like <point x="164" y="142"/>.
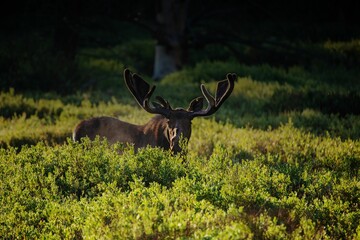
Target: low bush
<point x="279" y="160"/>
<point x="289" y="183"/>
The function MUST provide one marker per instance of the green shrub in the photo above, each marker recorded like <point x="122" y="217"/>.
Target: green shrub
<point x="271" y="163"/>
<point x="252" y="183"/>
<point x="344" y="52"/>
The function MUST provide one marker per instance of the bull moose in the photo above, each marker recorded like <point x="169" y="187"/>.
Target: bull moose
<point x="166" y="128"/>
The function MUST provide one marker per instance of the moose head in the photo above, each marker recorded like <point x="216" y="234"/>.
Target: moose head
<point x="167" y="127"/>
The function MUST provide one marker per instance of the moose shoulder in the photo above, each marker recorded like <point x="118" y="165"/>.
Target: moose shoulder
<point x="168" y="125"/>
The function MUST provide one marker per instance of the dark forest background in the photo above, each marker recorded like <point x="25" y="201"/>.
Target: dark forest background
<point x="42" y="42"/>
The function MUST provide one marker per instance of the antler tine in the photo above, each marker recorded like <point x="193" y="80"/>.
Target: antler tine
<point x="223" y="91"/>
<point x="142" y="92"/>
<point x="163" y="102"/>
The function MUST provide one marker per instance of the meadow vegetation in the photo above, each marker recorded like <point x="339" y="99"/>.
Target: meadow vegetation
<point x="279" y="160"/>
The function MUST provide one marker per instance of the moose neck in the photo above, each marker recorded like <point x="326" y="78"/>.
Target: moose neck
<point x="154" y="133"/>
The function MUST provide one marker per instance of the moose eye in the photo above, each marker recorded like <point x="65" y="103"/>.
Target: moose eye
<point x="171" y="124"/>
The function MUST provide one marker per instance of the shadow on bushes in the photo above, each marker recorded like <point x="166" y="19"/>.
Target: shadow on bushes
<point x="328" y="103"/>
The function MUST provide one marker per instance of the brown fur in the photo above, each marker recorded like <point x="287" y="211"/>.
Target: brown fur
<point x="115" y="130"/>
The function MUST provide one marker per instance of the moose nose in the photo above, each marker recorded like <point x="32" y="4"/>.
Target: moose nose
<point x="176" y="149"/>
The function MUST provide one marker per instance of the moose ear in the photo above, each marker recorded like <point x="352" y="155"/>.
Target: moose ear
<point x="196" y="104"/>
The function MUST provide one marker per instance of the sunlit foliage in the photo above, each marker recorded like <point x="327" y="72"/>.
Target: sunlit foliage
<point x="279" y="160"/>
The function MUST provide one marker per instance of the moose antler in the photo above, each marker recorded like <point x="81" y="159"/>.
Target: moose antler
<point x="142" y="92"/>
<point x="223" y="91"/>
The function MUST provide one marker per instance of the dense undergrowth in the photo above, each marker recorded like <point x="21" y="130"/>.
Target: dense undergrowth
<point x="279" y="160"/>
<point x="257" y="169"/>
<point x="243" y="183"/>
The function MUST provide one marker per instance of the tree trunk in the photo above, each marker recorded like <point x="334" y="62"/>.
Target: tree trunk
<point x="165" y="62"/>
<point x="170" y="33"/>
